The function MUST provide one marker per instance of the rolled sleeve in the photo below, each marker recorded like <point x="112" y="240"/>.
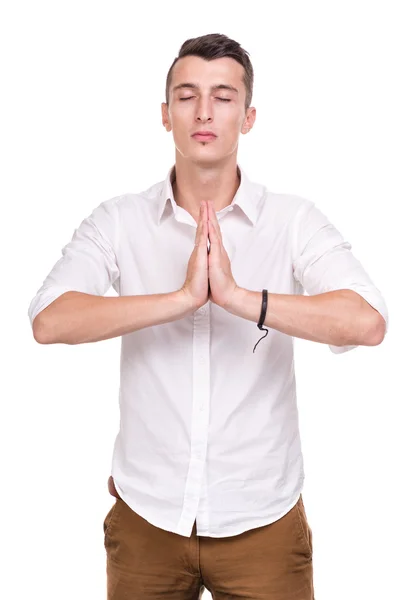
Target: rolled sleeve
<point x="88" y="263"/>
<point x="323" y="262"/>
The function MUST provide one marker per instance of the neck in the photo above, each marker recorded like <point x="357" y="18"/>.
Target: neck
<point x="192" y="183"/>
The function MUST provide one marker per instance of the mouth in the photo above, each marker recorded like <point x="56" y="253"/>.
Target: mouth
<point x="204" y="137"/>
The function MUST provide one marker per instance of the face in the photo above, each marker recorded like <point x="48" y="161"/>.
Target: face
<point x="204" y="106"/>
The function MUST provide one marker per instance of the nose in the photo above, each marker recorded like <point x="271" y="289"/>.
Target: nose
<point x="203" y="119"/>
<point x="204" y="111"/>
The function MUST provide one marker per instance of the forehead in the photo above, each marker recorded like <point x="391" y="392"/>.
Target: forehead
<point x="207" y="73"/>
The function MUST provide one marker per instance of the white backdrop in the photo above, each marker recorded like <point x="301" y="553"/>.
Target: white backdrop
<point x="83" y="84"/>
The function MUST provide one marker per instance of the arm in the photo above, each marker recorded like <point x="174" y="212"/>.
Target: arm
<point x="340" y="317"/>
<point x="343" y="308"/>
<point x="76" y="318"/>
<point x="70" y="306"/>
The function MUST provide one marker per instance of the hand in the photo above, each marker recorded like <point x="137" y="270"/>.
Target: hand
<point x="222" y="283"/>
<point x="196" y="285"/>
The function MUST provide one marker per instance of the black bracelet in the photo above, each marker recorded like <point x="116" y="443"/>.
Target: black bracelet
<point x="262" y="316"/>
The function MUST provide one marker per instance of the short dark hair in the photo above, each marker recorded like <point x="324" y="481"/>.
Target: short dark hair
<point x="216" y="45"/>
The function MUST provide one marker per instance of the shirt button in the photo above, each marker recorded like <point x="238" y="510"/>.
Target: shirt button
<point x="201" y="360"/>
<point x="202" y="407"/>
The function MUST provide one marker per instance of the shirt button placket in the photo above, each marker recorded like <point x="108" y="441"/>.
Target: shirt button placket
<point x="199" y="425"/>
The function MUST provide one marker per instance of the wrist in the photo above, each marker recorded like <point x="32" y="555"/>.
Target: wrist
<point x="236" y="301"/>
<point x="187" y="301"/>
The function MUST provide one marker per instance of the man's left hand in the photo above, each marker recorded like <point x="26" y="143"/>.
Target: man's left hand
<point x="221" y="282"/>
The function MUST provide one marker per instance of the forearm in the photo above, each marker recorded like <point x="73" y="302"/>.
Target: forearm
<point x="340" y="317"/>
<point x="76" y="318"/>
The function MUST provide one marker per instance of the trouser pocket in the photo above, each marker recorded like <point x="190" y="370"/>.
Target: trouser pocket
<point x="304" y="526"/>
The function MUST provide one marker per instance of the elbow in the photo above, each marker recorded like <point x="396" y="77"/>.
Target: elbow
<point x="369" y="323"/>
<point x="42" y="335"/>
<point x="48" y="326"/>
<point x="376" y="331"/>
<point x="39" y="339"/>
<point x="370" y="332"/>
<point x="39" y="332"/>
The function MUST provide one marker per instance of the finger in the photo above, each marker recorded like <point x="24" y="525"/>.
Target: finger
<point x="203" y="227"/>
<point x="205" y="221"/>
<point x="212" y="216"/>
<point x="214" y="239"/>
<point x="207" y="229"/>
<point x="198" y="233"/>
<point x="204" y="233"/>
<point x="200" y="224"/>
<point x="205" y="213"/>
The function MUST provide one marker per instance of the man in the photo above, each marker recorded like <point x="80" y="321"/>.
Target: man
<point x="207" y="467"/>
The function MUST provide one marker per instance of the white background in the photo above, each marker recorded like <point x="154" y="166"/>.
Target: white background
<point x="82" y="86"/>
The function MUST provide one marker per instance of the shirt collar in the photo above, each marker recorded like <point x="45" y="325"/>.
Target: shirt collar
<point x="247" y="196"/>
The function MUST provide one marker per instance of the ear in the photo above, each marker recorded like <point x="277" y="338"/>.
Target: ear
<point x="249" y="120"/>
<point x="165" y="116"/>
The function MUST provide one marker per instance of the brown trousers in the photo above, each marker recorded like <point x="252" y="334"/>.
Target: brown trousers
<point x="144" y="562"/>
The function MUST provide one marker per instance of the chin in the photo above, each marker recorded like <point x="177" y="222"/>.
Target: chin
<point x="200" y="154"/>
<point x="206" y="154"/>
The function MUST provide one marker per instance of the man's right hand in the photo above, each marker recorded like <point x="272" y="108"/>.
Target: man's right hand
<point x="196" y="285"/>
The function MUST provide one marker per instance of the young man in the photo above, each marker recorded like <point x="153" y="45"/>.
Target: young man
<point x="207" y="466"/>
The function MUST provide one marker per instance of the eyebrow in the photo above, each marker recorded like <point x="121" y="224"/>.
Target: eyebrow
<point x="221" y="86"/>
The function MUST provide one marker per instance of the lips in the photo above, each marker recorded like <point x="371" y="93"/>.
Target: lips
<point x="206" y="133"/>
<point x="204" y="136"/>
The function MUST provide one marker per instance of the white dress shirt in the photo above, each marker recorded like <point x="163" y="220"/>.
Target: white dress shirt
<point x="209" y="430"/>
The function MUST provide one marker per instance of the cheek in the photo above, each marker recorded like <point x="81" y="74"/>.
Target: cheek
<point x="178" y="127"/>
<point x="232" y="128"/>
<point x="232" y="119"/>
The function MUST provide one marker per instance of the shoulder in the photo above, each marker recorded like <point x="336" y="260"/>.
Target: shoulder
<point x="136" y="203"/>
<point x="284" y="208"/>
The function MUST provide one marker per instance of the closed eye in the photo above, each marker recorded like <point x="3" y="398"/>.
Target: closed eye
<point x="222" y="99"/>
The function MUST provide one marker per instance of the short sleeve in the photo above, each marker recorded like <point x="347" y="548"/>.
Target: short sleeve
<point x="88" y="263"/>
<point x="323" y="262"/>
